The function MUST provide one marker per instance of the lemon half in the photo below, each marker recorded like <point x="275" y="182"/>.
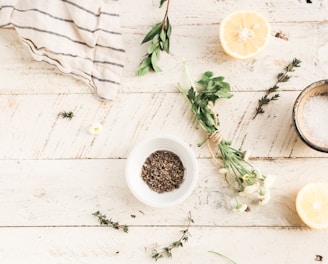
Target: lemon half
<point x="243" y="34"/>
<point x="312" y="205"/>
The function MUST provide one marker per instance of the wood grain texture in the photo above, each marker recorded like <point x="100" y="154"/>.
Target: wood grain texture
<point x="100" y="244"/>
<point x="36" y="131"/>
<point x="67" y="192"/>
<point x="54" y="174"/>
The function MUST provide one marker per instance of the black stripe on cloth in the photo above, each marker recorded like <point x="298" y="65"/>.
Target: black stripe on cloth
<point x="60" y="19"/>
<point x="66" y="37"/>
<point x="31" y="43"/>
<point x="104" y="80"/>
<point x="88" y="11"/>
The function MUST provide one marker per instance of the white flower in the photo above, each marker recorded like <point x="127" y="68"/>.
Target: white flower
<point x="264" y="196"/>
<point x="223" y="171"/>
<point x="247" y="155"/>
<point x="265" y="199"/>
<point x="258" y="173"/>
<point x="95" y="129"/>
<point x="268" y="181"/>
<point x="249" y="190"/>
<point x="240" y="208"/>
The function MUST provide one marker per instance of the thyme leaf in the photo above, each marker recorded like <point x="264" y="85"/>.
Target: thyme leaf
<point x="103" y="220"/>
<point x="68" y="115"/>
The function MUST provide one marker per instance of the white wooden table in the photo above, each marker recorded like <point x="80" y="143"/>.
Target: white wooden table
<point x="54" y="174"/>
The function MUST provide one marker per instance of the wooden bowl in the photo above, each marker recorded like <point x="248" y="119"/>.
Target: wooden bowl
<point x="308" y="118"/>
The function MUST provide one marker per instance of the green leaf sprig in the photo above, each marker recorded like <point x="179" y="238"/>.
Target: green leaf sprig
<point x="281" y="77"/>
<point x="159" y="38"/>
<point x="167" y="251"/>
<point x="243" y="178"/>
<point x="103" y="220"/>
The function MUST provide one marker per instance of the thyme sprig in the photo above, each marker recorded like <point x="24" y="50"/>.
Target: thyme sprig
<point x="103" y="220"/>
<point x="68" y="115"/>
<point x="159" y="37"/>
<point x="167" y="251"/>
<point x="243" y="178"/>
<point x="281" y="77"/>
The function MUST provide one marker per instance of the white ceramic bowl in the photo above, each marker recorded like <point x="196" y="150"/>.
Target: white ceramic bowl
<point x="137" y="158"/>
<point x="316" y="89"/>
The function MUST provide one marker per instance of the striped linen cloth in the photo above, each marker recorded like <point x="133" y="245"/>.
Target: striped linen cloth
<point x="82" y="38"/>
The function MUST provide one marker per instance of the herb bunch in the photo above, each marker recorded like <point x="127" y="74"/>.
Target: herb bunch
<point x="159" y="38"/>
<point x="281" y="77"/>
<point x="103" y="220"/>
<point x="167" y="251"/>
<point x="243" y="178"/>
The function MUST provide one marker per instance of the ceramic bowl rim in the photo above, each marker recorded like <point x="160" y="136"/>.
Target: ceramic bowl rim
<point x="296" y="121"/>
<point x="131" y="174"/>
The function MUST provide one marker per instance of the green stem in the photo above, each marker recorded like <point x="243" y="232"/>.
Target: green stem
<point x="223" y="256"/>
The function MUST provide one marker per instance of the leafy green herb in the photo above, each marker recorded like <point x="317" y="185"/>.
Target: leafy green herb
<point x="167" y="251"/>
<point x="159" y="38"/>
<point x="242" y="177"/>
<point x="108" y="222"/>
<point x="281" y="77"/>
<point x="68" y="115"/>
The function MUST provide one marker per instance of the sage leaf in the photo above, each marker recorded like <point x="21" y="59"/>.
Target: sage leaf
<point x="143" y="71"/>
<point x="153" y="59"/>
<point x="166" y="46"/>
<point x="145" y="62"/>
<point x="152" y="48"/>
<point x="152" y="33"/>
<point x="162" y="35"/>
<point x="161" y="3"/>
<point x="168" y="28"/>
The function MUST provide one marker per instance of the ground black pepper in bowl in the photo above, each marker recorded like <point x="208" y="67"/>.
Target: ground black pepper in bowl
<point x="163" y="171"/>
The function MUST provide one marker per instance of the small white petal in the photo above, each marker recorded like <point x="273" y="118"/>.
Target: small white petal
<point x="258" y="173"/>
<point x="223" y="171"/>
<point x="249" y="190"/>
<point x="247" y="155"/>
<point x="95" y="129"/>
<point x="240" y="208"/>
<point x="265" y="198"/>
<point x="268" y="181"/>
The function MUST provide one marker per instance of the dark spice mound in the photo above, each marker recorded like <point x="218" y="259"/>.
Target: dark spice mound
<point x="163" y="171"/>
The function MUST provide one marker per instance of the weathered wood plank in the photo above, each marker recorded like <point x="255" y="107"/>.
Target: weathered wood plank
<point x="213" y="11"/>
<point x="32" y="129"/>
<point x="67" y="192"/>
<point x="99" y="245"/>
<point x="201" y="54"/>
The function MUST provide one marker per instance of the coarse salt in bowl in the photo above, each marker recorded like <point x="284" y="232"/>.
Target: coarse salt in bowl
<point x="137" y="158"/>
<point x="310" y="115"/>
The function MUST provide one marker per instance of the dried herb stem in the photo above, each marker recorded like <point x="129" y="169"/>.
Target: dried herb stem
<point x="167" y="251"/>
<point x="281" y="77"/>
<point x="103" y="220"/>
